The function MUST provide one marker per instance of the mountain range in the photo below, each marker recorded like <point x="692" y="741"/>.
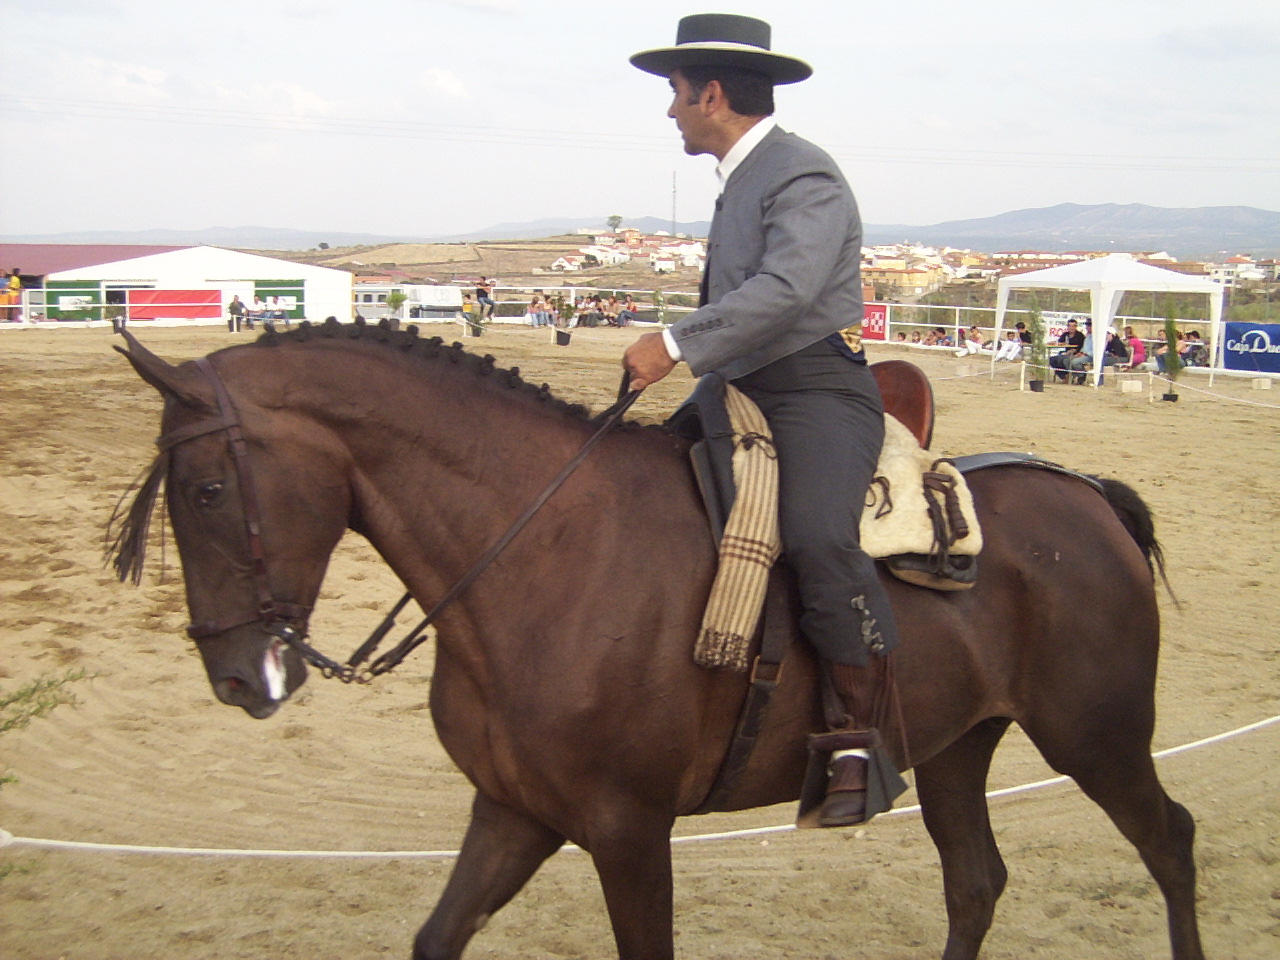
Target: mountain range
<point x="1185" y="232"/>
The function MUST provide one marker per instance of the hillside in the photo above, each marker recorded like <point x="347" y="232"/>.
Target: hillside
<point x="1186" y="232"/>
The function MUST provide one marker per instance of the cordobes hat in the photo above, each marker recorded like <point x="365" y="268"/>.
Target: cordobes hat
<point x="723" y="39"/>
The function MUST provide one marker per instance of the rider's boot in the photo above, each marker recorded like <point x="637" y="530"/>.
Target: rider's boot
<point x="862" y="778"/>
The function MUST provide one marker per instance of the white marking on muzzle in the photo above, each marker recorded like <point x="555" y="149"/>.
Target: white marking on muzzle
<point x="273" y="670"/>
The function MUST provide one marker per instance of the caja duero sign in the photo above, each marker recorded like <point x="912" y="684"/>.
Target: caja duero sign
<point x="1251" y="346"/>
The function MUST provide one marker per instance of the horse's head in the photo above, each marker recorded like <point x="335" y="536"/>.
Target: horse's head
<point x="257" y="499"/>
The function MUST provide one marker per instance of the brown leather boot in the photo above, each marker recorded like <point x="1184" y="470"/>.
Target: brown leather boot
<point x="856" y="754"/>
<point x="845" y="804"/>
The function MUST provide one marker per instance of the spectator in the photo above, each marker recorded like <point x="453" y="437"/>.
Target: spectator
<point x="484" y="297"/>
<point x="1024" y="335"/>
<point x="1072" y="340"/>
<point x="900" y="337"/>
<point x="915" y="337"/>
<point x="1010" y="348"/>
<point x="1194" y="351"/>
<point x="629" y="313"/>
<point x="235" y="314"/>
<point x="1137" y="349"/>
<point x="11" y="296"/>
<point x="972" y="342"/>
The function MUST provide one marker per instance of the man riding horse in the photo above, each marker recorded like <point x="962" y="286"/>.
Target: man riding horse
<point x="782" y="281"/>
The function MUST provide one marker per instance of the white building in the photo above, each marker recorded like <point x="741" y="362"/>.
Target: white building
<point x="178" y="285"/>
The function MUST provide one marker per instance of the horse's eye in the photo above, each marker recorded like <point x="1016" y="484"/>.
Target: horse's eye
<point x="209" y="493"/>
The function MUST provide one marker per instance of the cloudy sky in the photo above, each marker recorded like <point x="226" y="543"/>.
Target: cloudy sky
<point x="430" y="117"/>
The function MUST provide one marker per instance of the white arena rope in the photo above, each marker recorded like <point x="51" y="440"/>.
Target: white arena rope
<point x="9" y="840"/>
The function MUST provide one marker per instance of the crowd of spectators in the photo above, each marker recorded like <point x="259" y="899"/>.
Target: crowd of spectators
<point x="1071" y="356"/>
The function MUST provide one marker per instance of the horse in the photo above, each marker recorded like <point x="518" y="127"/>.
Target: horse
<point x="564" y="685"/>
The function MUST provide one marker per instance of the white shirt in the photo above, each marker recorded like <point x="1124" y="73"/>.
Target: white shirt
<point x="724" y="170"/>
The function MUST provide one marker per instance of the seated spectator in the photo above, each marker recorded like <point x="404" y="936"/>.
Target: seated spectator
<point x="1137" y="349"/>
<point x="629" y="313"/>
<point x="1072" y="341"/>
<point x="1194" y="351"/>
<point x="972" y="342"/>
<point x="1023" y="333"/>
<point x="1010" y="348"/>
<point x="900" y="337"/>
<point x="915" y="336"/>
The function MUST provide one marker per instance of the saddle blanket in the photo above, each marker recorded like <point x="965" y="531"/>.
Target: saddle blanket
<point x="918" y="506"/>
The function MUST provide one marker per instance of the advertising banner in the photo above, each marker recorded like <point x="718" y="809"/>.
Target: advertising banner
<point x="875" y="321"/>
<point x="175" y="304"/>
<point x="1251" y="346"/>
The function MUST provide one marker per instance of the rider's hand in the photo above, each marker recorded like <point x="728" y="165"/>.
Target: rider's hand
<point x="647" y="361"/>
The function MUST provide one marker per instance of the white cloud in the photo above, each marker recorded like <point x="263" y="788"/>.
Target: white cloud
<point x="446" y="82"/>
<point x="131" y="82"/>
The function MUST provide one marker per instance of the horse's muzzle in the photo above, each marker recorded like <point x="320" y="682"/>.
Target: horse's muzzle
<point x="251" y="669"/>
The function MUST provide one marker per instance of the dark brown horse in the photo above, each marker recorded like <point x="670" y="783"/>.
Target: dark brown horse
<point x="564" y="685"/>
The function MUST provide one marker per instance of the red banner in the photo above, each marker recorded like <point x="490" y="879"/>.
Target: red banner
<point x="875" y="321"/>
<point x="175" y="304"/>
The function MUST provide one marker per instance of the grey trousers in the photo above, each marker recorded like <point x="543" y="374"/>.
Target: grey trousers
<point x="827" y="420"/>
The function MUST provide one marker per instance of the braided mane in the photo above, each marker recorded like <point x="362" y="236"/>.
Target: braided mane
<point x="429" y="349"/>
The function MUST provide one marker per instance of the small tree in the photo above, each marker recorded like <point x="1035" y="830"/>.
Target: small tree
<point x="1172" y="358"/>
<point x="660" y="305"/>
<point x="1039" y="359"/>
<point x="614" y="223"/>
<point x="395" y="300"/>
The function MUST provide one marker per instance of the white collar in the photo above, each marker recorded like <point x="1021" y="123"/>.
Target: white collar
<point x="739" y="151"/>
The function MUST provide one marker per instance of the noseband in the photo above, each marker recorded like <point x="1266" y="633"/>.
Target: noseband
<point x="278" y="617"/>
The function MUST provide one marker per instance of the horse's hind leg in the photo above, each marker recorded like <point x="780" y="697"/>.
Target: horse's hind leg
<point x="1121" y="779"/>
<point x="952" y="790"/>
<point x="501" y="851"/>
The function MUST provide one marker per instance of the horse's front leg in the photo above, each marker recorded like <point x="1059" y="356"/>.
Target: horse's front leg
<point x="500" y="852"/>
<point x="633" y="860"/>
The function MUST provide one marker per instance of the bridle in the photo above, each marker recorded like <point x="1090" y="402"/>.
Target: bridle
<point x="275" y="615"/>
<point x="287" y="621"/>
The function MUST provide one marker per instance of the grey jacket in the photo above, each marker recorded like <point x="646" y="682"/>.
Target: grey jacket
<point x="783" y="261"/>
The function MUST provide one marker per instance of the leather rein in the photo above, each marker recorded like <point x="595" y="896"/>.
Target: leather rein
<point x="288" y="621"/>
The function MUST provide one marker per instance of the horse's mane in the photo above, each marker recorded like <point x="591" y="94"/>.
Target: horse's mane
<point x="424" y="349"/>
<point x="129" y="527"/>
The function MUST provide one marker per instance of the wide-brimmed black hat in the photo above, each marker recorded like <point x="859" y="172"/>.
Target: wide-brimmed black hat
<point x="723" y="39"/>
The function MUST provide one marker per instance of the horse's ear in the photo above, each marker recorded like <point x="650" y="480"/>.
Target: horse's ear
<point x="171" y="381"/>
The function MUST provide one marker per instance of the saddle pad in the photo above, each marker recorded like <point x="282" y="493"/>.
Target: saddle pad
<point x="896" y="519"/>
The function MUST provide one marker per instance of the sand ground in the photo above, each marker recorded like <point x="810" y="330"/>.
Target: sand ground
<point x="148" y="757"/>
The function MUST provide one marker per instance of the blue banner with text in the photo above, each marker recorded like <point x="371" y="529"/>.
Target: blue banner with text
<point x="1251" y="346"/>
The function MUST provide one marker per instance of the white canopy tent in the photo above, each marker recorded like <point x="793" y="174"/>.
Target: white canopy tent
<point x="1107" y="279"/>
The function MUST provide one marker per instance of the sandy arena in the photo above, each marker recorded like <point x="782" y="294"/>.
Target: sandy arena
<point x="149" y="758"/>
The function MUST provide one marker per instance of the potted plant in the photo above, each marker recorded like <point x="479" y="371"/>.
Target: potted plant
<point x="1172" y="358"/>
<point x="395" y="300"/>
<point x="1038" y="361"/>
<point x="564" y="312"/>
<point x="660" y="305"/>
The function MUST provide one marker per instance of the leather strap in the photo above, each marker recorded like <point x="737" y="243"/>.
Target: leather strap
<point x="776" y="631"/>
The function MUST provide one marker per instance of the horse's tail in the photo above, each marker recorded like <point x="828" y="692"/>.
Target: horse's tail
<point x="1136" y="517"/>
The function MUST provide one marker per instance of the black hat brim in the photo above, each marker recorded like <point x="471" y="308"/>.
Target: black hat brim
<point x="665" y="60"/>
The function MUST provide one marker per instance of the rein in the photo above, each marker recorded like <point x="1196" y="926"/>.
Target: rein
<point x="276" y="615"/>
<point x="417" y="636"/>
